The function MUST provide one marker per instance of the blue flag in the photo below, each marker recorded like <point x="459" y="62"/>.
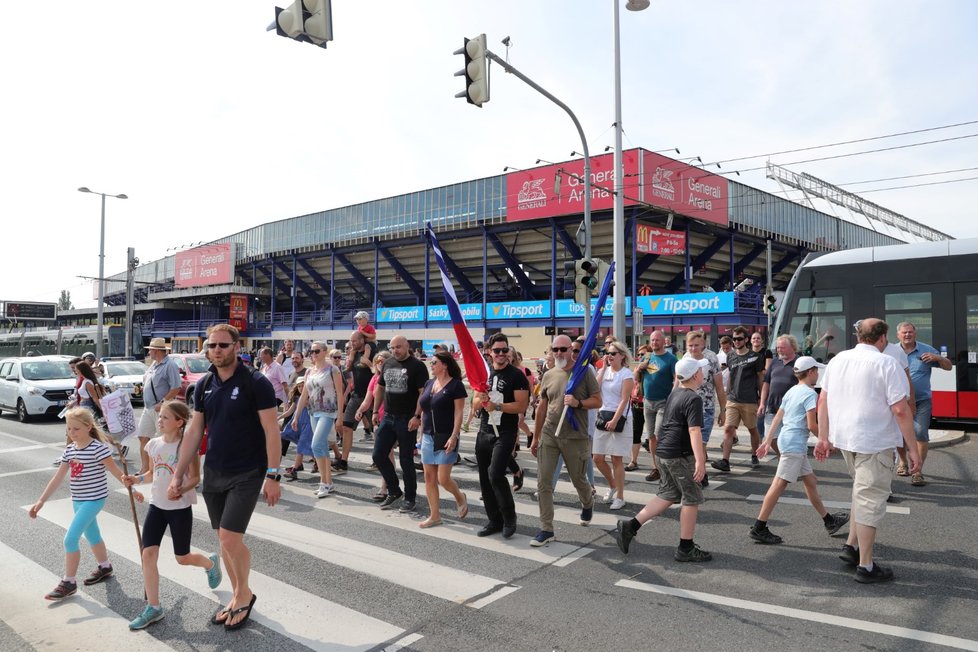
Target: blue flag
<point x="584" y="359"/>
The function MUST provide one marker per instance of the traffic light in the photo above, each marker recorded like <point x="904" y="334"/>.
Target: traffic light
<point x="306" y="20"/>
<point x="476" y="71"/>
<point x="771" y="303"/>
<point x="585" y="280"/>
<point x="570" y="279"/>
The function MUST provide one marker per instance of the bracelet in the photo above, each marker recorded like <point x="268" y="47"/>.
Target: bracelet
<point x="272" y="469"/>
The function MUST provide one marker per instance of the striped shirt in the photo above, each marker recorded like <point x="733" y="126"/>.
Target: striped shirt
<point x="88" y="476"/>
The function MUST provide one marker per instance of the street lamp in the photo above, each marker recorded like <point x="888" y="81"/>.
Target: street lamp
<point x="101" y="272"/>
<point x="618" y="228"/>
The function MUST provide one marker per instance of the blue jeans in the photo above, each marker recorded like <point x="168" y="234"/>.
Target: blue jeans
<point x="84" y="523"/>
<point x="394" y="429"/>
<point x="322" y="425"/>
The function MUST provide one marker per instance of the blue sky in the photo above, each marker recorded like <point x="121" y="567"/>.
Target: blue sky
<point x="212" y="125"/>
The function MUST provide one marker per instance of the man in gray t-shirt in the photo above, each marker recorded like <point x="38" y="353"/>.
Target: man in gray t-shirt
<point x="161" y="382"/>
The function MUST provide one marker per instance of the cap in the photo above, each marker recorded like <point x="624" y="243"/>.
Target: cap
<point x="88" y="354"/>
<point x="687" y="367"/>
<point x="361" y="315"/>
<point x="806" y="362"/>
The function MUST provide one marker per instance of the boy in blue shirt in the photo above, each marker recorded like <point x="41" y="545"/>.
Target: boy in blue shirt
<point x="796" y="420"/>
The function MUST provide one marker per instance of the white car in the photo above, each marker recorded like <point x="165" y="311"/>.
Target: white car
<point x="126" y="375"/>
<point x="36" y="385"/>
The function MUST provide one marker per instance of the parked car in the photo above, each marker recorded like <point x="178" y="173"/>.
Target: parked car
<point x="126" y="375"/>
<point x="34" y="386"/>
<point x="193" y="366"/>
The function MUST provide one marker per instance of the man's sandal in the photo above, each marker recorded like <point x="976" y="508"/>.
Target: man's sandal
<point x="902" y="471"/>
<point x="240" y="610"/>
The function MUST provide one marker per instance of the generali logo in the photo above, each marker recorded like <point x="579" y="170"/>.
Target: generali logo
<point x="531" y="195"/>
<point x="186" y="271"/>
<point x="662" y="184"/>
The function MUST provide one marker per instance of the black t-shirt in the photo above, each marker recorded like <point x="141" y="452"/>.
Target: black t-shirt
<point x="402" y="383"/>
<point x="743" y="376"/>
<point x="684" y="409"/>
<point x="363" y="371"/>
<point x="507" y="380"/>
<point x="438" y="408"/>
<point x="235" y="437"/>
<point x="780" y="377"/>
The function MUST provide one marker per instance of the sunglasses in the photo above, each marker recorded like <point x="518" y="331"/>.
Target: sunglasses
<point x="559" y="349"/>
<point x="738" y="339"/>
<point x="611" y="352"/>
<point x="575" y="350"/>
<point x="501" y="351"/>
<point x="337" y="357"/>
<point x="223" y="345"/>
<point x="316" y="351"/>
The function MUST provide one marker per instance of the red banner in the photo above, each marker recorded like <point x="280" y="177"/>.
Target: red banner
<point x="654" y="240"/>
<point x="684" y="189"/>
<point x="531" y="194"/>
<point x="238" y="311"/>
<point x="210" y="265"/>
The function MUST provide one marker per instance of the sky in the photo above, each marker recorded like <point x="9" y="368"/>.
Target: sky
<point x="212" y="125"/>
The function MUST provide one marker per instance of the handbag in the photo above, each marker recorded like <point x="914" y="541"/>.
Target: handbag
<point x="604" y="416"/>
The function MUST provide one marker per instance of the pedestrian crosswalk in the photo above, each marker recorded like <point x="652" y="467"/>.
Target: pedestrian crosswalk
<point x="344" y="535"/>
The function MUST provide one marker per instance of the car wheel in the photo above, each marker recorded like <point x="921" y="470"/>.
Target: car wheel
<point x="22" y="414"/>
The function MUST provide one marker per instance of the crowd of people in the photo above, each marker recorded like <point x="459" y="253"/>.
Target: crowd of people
<point x="589" y="410"/>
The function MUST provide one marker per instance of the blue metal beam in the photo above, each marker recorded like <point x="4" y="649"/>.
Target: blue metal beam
<point x="402" y="271"/>
<point x="644" y="264"/>
<point x="701" y="259"/>
<point x="459" y="275"/>
<point x="302" y="285"/>
<point x="357" y="275"/>
<point x="526" y="287"/>
<point x="318" y="278"/>
<point x="569" y="244"/>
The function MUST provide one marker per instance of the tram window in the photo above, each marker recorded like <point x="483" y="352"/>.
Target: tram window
<point x="819" y="325"/>
<point x="914" y="307"/>
<point x="972" y="328"/>
<point x="819" y="305"/>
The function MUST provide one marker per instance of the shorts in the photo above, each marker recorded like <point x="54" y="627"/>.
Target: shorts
<point x="792" y="466"/>
<point x="872" y="474"/>
<point x="430" y="456"/>
<point x="231" y="497"/>
<point x="921" y="420"/>
<point x="653" y="417"/>
<point x="180" y="522"/>
<point x="353" y="403"/>
<point x="741" y="414"/>
<point x="146" y="429"/>
<point x="709" y="418"/>
<point x="638" y="424"/>
<point x="676" y="483"/>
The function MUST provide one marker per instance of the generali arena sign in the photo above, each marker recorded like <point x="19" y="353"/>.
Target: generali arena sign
<point x="649" y="178"/>
<point x="210" y="265"/>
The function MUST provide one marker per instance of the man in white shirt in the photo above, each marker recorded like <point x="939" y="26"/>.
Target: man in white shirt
<point x="863" y="411"/>
<point x="276" y="375"/>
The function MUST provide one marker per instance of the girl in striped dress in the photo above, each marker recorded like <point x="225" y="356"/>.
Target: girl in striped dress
<point x="87" y="457"/>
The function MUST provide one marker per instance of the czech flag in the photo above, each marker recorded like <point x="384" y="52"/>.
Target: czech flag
<point x="475" y="365"/>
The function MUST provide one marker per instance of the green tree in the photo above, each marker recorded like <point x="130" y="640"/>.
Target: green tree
<point x="64" y="301"/>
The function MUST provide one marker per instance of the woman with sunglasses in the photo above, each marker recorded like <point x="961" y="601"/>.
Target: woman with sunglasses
<point x="616" y="382"/>
<point x="323" y="394"/>
<point x="441" y="404"/>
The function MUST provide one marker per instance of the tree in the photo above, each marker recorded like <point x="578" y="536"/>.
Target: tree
<point x="64" y="301"/>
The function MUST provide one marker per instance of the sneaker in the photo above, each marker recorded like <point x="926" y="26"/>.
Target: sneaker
<point x="391" y="501"/>
<point x="617" y="503"/>
<point x="586" y="514"/>
<point x="696" y="554"/>
<point x="98" y="575"/>
<point x="542" y="538"/>
<point x="623" y="535"/>
<point x="838" y="520"/>
<point x="610" y="496"/>
<point x="765" y="536"/>
<point x="875" y="576"/>
<point x="292" y="473"/>
<point x="721" y="465"/>
<point x="214" y="575"/>
<point x="849" y="555"/>
<point x="509" y="531"/>
<point x="653" y="475"/>
<point x="754" y="461"/>
<point x="705" y="482"/>
<point x="379" y="497"/>
<point x="367" y="436"/>
<point x="372" y="467"/>
<point x="149" y="616"/>
<point x="489" y="529"/>
<point x="407" y="507"/>
<point x="62" y="591"/>
<point x="324" y="490"/>
<point x="341" y="468"/>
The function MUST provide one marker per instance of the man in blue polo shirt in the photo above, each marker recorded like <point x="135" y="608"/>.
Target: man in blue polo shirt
<point x="244" y="445"/>
<point x="922" y="358"/>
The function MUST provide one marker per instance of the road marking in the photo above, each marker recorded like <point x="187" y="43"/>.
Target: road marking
<point x="403" y="643"/>
<point x="811" y="616"/>
<point x="78" y="623"/>
<point x="10" y="474"/>
<point x="290" y="611"/>
<point x="501" y="592"/>
<point x="20" y="449"/>
<point x="890" y="509"/>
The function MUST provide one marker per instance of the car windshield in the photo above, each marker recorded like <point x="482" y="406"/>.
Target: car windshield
<point x="198" y="365"/>
<point x="124" y="369"/>
<point x="46" y="370"/>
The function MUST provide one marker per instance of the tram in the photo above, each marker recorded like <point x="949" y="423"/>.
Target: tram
<point x="70" y="340"/>
<point x="933" y="285"/>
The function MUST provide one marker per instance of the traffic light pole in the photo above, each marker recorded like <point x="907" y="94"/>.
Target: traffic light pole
<point x="587" y="160"/>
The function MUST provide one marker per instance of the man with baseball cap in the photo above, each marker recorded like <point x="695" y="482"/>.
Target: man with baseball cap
<point x="161" y="382"/>
<point x="681" y="462"/>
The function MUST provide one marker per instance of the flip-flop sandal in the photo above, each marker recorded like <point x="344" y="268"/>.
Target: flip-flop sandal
<point x="429" y="523"/>
<point x="216" y="620"/>
<point x="463" y="509"/>
<point x="902" y="471"/>
<point x="245" y="610"/>
<point x="917" y="480"/>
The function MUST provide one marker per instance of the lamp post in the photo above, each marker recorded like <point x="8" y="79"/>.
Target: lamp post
<point x="101" y="272"/>
<point x="618" y="228"/>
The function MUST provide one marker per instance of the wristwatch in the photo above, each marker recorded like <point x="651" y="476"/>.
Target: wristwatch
<point x="277" y="477"/>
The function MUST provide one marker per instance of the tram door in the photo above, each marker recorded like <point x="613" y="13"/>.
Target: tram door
<point x="966" y="348"/>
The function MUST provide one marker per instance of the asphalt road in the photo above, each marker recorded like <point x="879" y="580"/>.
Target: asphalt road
<point x="338" y="574"/>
